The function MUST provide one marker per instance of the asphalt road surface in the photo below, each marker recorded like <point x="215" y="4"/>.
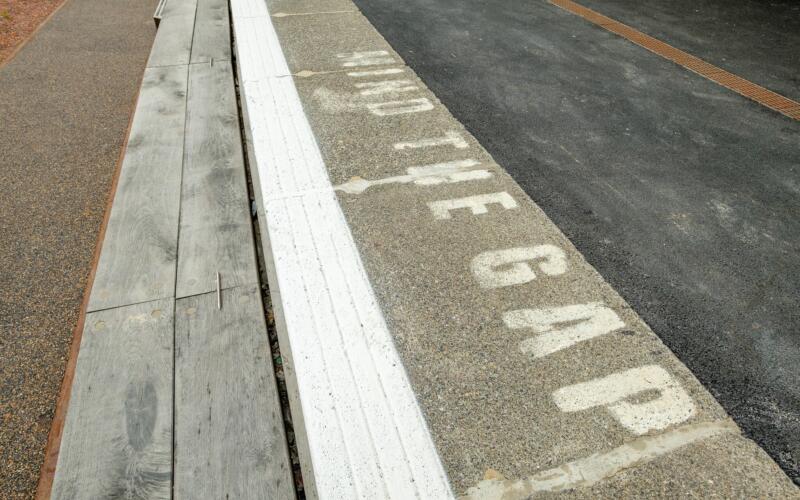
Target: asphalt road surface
<point x="683" y="195"/>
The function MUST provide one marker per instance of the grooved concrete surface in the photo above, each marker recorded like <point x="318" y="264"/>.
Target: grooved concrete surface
<point x="65" y="101"/>
<point x="682" y="194"/>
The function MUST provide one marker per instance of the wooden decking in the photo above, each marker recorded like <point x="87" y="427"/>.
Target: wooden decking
<point x="172" y="394"/>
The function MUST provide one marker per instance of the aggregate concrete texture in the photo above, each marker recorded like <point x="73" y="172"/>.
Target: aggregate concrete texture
<point x="65" y="102"/>
<point x="489" y="404"/>
<point x="681" y="193"/>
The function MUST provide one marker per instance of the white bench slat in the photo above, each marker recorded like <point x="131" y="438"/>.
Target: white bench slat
<point x="117" y="440"/>
<point x="215" y="229"/>
<point x="229" y="438"/>
<point x="137" y="263"/>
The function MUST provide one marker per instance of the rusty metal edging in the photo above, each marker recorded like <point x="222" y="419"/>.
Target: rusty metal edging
<point x="746" y="88"/>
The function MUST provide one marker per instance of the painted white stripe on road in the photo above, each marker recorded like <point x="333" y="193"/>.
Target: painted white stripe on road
<point x="375" y="72"/>
<point x="593" y="469"/>
<point x="365" y="432"/>
<point x="427" y="175"/>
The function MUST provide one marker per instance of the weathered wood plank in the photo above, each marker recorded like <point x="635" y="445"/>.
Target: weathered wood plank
<point x="173" y="43"/>
<point x="117" y="440"/>
<point x="137" y="263"/>
<point x="212" y="32"/>
<point x="215" y="227"/>
<point x="229" y="438"/>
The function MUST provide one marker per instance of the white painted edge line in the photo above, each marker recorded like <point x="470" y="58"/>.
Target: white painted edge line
<point x="366" y="436"/>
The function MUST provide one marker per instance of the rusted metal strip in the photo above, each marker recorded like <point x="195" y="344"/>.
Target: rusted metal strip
<point x="716" y="74"/>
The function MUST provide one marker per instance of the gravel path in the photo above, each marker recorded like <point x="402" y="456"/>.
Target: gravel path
<point x="65" y="102"/>
<point x="19" y="19"/>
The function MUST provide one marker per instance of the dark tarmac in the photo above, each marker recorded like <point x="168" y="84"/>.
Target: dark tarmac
<point x="65" y="102"/>
<point x="684" y="195"/>
<point x="756" y="40"/>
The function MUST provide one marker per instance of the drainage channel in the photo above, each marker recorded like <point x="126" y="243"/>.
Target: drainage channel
<point x="277" y="358"/>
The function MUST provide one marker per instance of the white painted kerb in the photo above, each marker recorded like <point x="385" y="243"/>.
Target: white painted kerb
<point x="366" y="434"/>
